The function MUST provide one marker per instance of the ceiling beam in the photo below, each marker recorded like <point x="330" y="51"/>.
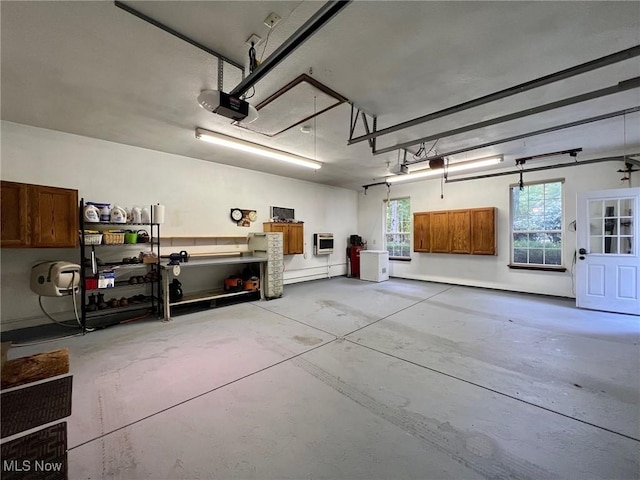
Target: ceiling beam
<point x="523" y="87"/>
<point x="584" y="121"/>
<point x="620" y="87"/>
<point x="322" y="16"/>
<point x="175" y="33"/>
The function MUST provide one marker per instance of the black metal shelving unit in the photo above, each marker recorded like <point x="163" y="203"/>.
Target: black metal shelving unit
<point x="112" y="315"/>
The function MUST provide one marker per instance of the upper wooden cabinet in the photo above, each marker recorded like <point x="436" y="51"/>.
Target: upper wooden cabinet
<point x="421" y="236"/>
<point x="16" y="231"/>
<point x="439" y="232"/>
<point x="292" y="236"/>
<point x="483" y="231"/>
<point x="469" y="231"/>
<point x="38" y="216"/>
<point x="459" y="231"/>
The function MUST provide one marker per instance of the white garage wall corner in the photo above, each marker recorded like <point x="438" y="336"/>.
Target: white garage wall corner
<point x="197" y="195"/>
<point x="479" y="270"/>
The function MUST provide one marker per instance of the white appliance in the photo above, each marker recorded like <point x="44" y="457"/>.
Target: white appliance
<point x="374" y="265"/>
<point x="55" y="279"/>
<point x="270" y="246"/>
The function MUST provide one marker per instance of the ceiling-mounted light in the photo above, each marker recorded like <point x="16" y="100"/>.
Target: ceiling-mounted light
<point x="453" y="168"/>
<point x="254" y="148"/>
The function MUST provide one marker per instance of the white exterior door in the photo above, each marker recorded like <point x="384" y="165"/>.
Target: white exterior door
<point x="608" y="261"/>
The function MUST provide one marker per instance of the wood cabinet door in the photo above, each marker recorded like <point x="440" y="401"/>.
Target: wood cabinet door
<point x="296" y="238"/>
<point x="483" y="231"/>
<point x="439" y="228"/>
<point x="282" y="228"/>
<point x="421" y="232"/>
<point x="459" y="231"/>
<point x="16" y="219"/>
<point x="54" y="213"/>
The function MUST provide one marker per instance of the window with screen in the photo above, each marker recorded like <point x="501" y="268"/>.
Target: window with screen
<point x="398" y="228"/>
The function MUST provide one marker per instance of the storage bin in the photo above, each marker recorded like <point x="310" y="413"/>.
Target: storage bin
<point x="131" y="237"/>
<point x="92" y="238"/>
<point x="113" y="238"/>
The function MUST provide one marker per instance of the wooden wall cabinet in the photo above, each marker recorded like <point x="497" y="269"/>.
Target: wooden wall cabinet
<point x="483" y="231"/>
<point x="439" y="232"/>
<point x="292" y="236"/>
<point x="421" y="229"/>
<point x="459" y="231"/>
<point x="468" y="231"/>
<point x="38" y="216"/>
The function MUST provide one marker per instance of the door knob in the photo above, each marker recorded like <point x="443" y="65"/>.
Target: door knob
<point x="582" y="251"/>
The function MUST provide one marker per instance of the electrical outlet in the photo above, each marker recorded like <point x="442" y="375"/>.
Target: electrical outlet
<point x="272" y="20"/>
<point x="256" y="39"/>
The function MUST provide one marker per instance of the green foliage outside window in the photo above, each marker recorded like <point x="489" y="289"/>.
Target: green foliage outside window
<point x="398" y="228"/>
<point x="537" y="224"/>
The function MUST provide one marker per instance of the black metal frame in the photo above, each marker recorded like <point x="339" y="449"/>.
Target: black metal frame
<point x="156" y="286"/>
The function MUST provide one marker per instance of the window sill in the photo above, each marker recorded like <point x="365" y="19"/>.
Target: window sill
<point x="400" y="259"/>
<point x="540" y="268"/>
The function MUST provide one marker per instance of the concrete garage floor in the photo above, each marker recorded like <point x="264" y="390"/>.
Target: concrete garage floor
<point x="344" y="379"/>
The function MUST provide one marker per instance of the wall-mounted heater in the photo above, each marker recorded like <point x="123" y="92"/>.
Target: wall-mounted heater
<point x="322" y="243"/>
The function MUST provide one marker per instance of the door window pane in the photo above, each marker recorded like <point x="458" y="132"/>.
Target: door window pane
<point x="610" y="244"/>
<point x="595" y="208"/>
<point x="616" y="224"/>
<point x="596" y="245"/>
<point x="596" y="227"/>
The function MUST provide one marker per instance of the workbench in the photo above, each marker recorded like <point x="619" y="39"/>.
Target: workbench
<point x="213" y="294"/>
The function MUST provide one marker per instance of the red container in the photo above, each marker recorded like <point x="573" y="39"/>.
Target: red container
<point x="91" y="283"/>
<point x="354" y="260"/>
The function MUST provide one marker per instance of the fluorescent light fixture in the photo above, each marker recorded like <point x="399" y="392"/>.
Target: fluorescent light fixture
<point x="453" y="168"/>
<point x="254" y="148"/>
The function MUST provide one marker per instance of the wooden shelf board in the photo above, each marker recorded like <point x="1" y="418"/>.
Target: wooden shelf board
<point x="210" y="295"/>
<point x="199" y="237"/>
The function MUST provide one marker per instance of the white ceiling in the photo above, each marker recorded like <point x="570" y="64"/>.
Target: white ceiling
<point x="93" y="69"/>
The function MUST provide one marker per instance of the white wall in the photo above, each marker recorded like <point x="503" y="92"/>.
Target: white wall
<point x="479" y="270"/>
<point x="198" y="196"/>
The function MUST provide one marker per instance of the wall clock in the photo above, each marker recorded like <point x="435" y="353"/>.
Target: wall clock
<point x="236" y="214"/>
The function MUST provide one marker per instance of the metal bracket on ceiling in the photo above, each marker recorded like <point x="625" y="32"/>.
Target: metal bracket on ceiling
<point x="573" y="152"/>
<point x="177" y="34"/>
<point x="522" y="160"/>
<point x="220" y="74"/>
<point x="366" y="187"/>
<point x="633" y="161"/>
<point x="325" y="13"/>
<point x="357" y="113"/>
<point x="539" y="169"/>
